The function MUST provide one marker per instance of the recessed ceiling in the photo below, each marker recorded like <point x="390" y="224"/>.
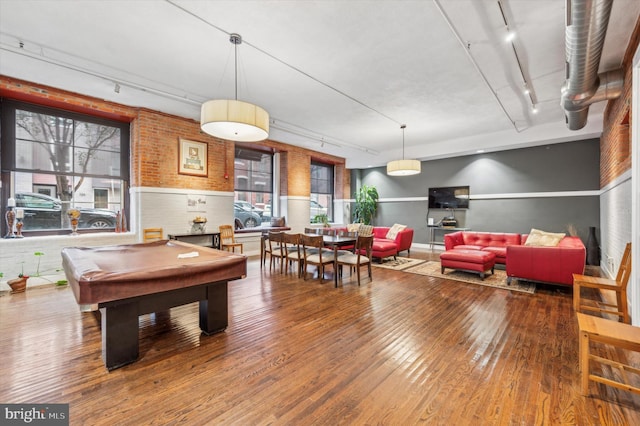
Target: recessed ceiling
<point x="336" y="76"/>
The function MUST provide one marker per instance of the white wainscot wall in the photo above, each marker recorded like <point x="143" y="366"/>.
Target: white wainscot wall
<point x="17" y="254"/>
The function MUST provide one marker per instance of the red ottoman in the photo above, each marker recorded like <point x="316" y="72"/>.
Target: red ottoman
<point x="468" y="260"/>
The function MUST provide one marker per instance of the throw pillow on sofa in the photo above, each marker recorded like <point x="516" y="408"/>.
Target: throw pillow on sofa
<point x="278" y="221"/>
<point x="353" y="227"/>
<point x="365" y="230"/>
<point x="543" y="239"/>
<point x="393" y="231"/>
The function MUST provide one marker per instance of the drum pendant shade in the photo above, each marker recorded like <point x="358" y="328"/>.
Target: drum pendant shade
<point x="232" y="119"/>
<point x="403" y="167"/>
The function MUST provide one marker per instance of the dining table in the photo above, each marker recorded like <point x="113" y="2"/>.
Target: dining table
<point x="336" y="242"/>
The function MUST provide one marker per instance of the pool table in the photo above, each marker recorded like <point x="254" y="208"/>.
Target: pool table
<point x="126" y="281"/>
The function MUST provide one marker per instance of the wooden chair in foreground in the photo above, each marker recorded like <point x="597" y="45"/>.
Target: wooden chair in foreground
<point x="361" y="257"/>
<point x="293" y="253"/>
<point x="612" y="333"/>
<point x="227" y="239"/>
<point x="151" y="234"/>
<point x="277" y="249"/>
<point x="619" y="286"/>
<point x="314" y="253"/>
<point x="348" y="234"/>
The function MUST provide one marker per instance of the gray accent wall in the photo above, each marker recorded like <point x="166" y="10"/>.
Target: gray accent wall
<point x="551" y="187"/>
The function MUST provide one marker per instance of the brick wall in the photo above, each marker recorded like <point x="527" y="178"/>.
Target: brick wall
<point x="298" y="170"/>
<point x="56" y="98"/>
<point x="155" y="140"/>
<point x="155" y="151"/>
<point x="615" y="170"/>
<point x="615" y="143"/>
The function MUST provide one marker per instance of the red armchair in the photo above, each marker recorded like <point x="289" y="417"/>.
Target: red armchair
<point x="383" y="247"/>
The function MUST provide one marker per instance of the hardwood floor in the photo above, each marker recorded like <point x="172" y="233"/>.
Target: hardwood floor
<point x="403" y="349"/>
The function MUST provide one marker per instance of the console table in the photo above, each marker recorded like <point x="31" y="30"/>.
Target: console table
<point x="433" y="229"/>
<point x="207" y="239"/>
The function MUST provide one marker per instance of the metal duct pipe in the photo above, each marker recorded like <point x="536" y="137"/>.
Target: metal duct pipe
<point x="585" y="31"/>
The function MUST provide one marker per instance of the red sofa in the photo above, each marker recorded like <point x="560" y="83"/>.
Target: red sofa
<point x="532" y="263"/>
<point x="547" y="264"/>
<point x="494" y="242"/>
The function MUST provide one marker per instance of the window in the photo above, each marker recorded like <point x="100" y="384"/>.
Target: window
<point x="54" y="160"/>
<point x="101" y="198"/>
<point x="253" y="187"/>
<point x="321" y="190"/>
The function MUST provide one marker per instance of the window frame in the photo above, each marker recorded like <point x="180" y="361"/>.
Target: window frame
<point x="313" y="195"/>
<point x="8" y="167"/>
<point x="250" y="187"/>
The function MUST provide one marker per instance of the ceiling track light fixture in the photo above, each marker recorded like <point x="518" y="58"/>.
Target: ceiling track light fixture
<point x="403" y="167"/>
<point x="232" y="119"/>
<point x="511" y="35"/>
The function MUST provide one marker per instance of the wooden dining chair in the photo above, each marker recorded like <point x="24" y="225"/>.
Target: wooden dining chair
<point x="277" y="249"/>
<point x="294" y="255"/>
<point x="618" y="285"/>
<point x="347" y="234"/>
<point x="151" y="234"/>
<point x="361" y="257"/>
<point x="327" y="231"/>
<point x="314" y="253"/>
<point x="228" y="240"/>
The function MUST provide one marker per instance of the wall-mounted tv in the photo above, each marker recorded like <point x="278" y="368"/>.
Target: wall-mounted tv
<point x="450" y="197"/>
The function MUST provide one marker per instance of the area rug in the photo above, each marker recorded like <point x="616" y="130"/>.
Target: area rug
<point x="399" y="263"/>
<point x="497" y="280"/>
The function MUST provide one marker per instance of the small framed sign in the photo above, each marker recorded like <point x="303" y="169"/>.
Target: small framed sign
<point x="192" y="158"/>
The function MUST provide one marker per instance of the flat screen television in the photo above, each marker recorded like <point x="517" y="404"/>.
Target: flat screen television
<point x="449" y="197"/>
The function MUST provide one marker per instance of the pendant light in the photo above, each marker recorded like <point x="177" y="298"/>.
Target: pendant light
<point x="232" y="119"/>
<point x="403" y="167"/>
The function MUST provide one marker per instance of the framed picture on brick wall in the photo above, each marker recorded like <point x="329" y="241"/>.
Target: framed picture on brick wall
<point x="192" y="158"/>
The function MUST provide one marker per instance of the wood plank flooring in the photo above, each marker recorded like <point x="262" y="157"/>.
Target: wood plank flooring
<point x="403" y="349"/>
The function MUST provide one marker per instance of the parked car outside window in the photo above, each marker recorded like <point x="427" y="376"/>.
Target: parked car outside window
<point x="248" y="218"/>
<point x="266" y="215"/>
<point x="44" y="212"/>
<point x="247" y="206"/>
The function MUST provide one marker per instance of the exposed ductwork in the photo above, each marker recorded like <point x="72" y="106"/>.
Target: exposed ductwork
<point x="585" y="31"/>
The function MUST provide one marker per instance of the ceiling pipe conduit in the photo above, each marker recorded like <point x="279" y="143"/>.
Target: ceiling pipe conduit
<point x="585" y="31"/>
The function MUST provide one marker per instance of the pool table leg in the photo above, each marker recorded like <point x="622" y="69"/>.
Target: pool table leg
<point x="119" y="334"/>
<point x="214" y="309"/>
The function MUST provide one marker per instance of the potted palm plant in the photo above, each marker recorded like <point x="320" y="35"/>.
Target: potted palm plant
<point x="366" y="204"/>
<point x="323" y="219"/>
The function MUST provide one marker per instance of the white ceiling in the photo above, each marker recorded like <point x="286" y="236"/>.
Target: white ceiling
<point x="344" y="72"/>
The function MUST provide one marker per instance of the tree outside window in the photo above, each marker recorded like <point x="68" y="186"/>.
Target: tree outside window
<point x="72" y="160"/>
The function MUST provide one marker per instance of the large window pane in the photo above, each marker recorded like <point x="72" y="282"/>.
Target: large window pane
<point x="45" y="205"/>
<point x="97" y="162"/>
<point x="321" y="191"/>
<point x="61" y="162"/>
<point x="38" y="156"/>
<point x="253" y="187"/>
<point x="91" y="135"/>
